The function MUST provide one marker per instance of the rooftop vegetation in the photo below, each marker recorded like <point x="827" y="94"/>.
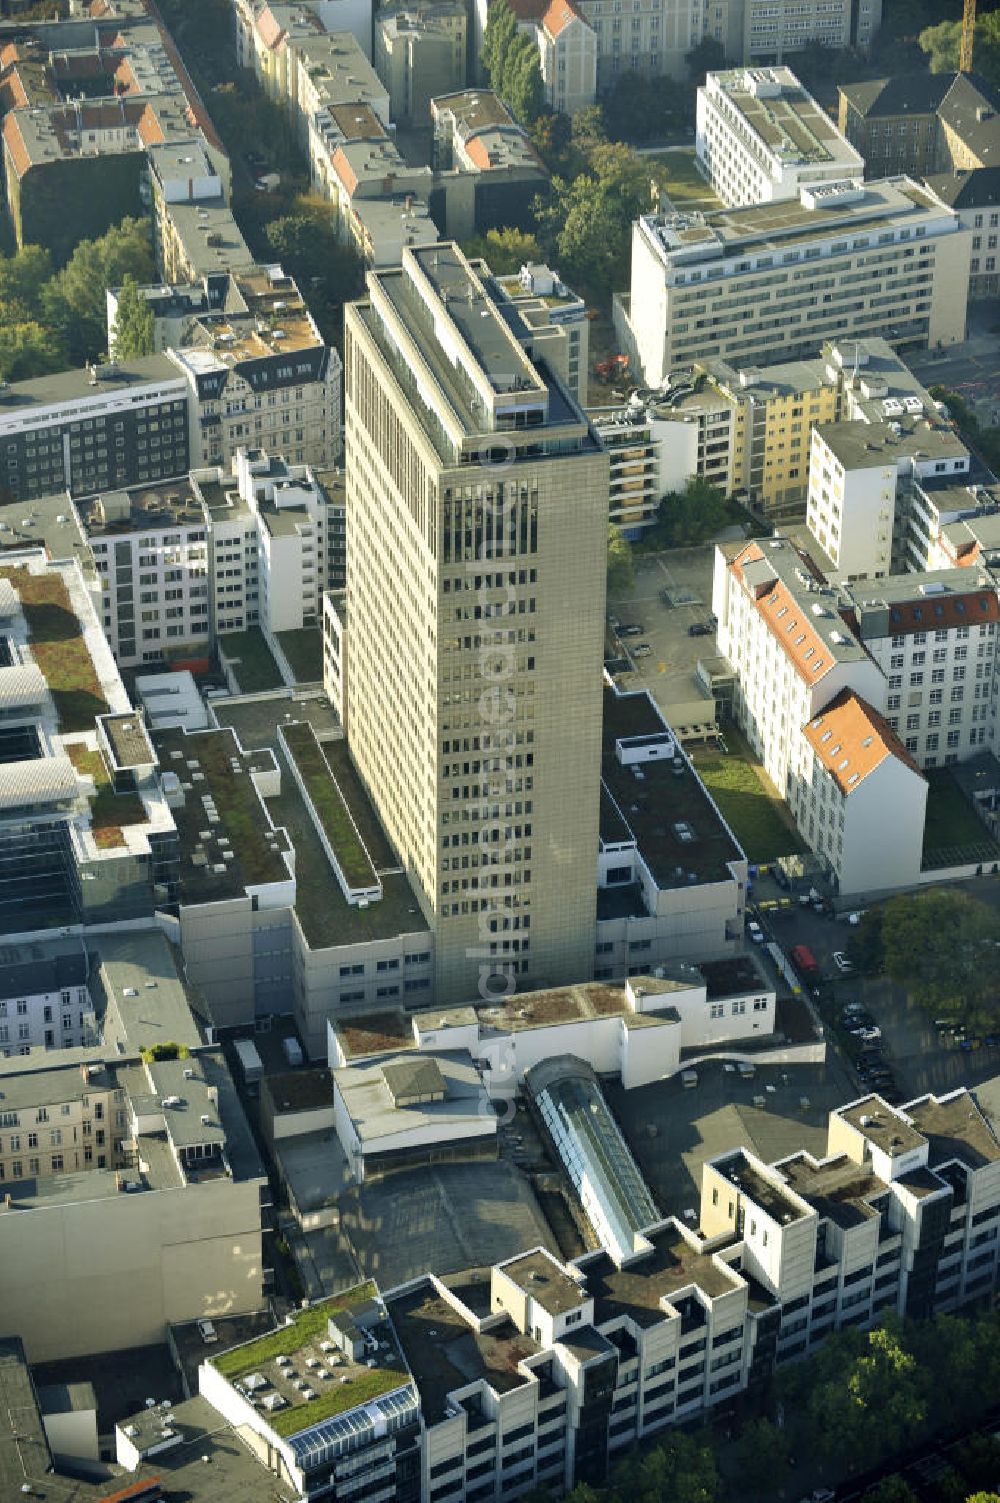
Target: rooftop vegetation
<point x="328" y="801"/>
<point x="59" y="649"/>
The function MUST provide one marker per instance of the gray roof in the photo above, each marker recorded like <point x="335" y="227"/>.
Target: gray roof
<point x="141" y="963"/>
<point x="24" y="1450"/>
<point x="76" y="385"/>
<point x="47" y="1077"/>
<point x="22" y="686"/>
<point x="374" y="1114"/>
<point x="67" y="1398"/>
<point x="39" y="780"/>
<point x="43" y="966"/>
<point x="416" y="1075"/>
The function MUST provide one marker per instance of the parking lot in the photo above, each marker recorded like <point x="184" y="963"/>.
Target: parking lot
<point x="672" y="592"/>
<point x="919" y="1059"/>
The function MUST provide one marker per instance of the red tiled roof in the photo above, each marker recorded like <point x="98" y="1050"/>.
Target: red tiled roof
<point x="851" y="739"/>
<point x="149" y="128"/>
<point x="788" y="622"/>
<point x="17" y="152"/>
<point x="196" y="111"/>
<point x="477" y="153"/>
<point x="938" y="612"/>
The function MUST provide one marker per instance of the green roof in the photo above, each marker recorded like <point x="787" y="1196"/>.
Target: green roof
<point x="329" y="804"/>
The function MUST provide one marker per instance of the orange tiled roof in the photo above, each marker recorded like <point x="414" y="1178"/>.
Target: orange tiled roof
<point x="476" y="151"/>
<point x="269" y="28"/>
<point x="344" y="170"/>
<point x="851" y="739"/>
<point x="558" y="16"/>
<point x="17" y="152"/>
<point x="789" y="623"/>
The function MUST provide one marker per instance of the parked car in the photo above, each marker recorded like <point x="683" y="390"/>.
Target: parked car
<point x="755" y="932"/>
<point x="631" y="629"/>
<point x="207" y="1332"/>
<point x="868" y="1035"/>
<point x="781" y="877"/>
<point x="640" y="650"/>
<point x="842" y="962"/>
<point x="969" y="1044"/>
<point x="858" y="1020"/>
<point x="665" y="597"/>
<point x="699" y="629"/>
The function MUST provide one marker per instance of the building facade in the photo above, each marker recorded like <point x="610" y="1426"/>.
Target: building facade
<point x="751" y="283"/>
<point x="760" y="137"/>
<point x="502" y="865"/>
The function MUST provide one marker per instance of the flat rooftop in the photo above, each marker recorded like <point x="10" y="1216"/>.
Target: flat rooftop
<point x="143" y="508"/>
<point x="540" y="1276"/>
<point x="77" y="385"/>
<point x="771" y="1198"/>
<point x="675" y="825"/>
<point x="955" y="1128"/>
<point x="369" y="1092"/>
<point x="336" y="1384"/>
<point x="835" y="1188"/>
<point x="221" y="814"/>
<point x="639" y="1289"/>
<point x="884" y="1127"/>
<point x="781" y="224"/>
<point x="444" y="1352"/>
<point x="860" y="445"/>
<point x="785" y="119"/>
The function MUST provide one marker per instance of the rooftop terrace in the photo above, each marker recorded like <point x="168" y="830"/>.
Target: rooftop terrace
<point x="221" y="814"/>
<point x="445" y="1353"/>
<point x="639" y="1289"/>
<point x="335" y="1383"/>
<point x="171" y="503"/>
<point x="57" y="645"/>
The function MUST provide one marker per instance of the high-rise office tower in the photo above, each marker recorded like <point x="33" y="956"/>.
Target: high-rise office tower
<point x="477" y="515"/>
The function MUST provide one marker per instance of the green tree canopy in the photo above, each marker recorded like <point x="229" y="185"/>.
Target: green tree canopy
<point x="707" y="57"/>
<point x="621" y="571"/>
<point x="692" y="515"/>
<point x="505" y="251"/>
<point x="942" y="43"/>
<point x="941" y="945"/>
<point x="75" y="300"/>
<point x="762" y="1454"/>
<point x="586" y="224"/>
<point x="134" y="331"/>
<point x="27" y="349"/>
<point x="22" y="280"/>
<point x="328" y="272"/>
<point x="894" y="1489"/>
<point x="511" y="60"/>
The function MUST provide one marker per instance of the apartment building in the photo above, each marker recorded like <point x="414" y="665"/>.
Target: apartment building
<point x="504" y="878"/>
<point x="97" y="429"/>
<point x="134" y="1190"/>
<point x="420" y="51"/>
<point x="760" y="137"/>
<point x="195" y="236"/>
<point x="481" y="154"/>
<point x="85" y="833"/>
<point x="859" y="471"/>
<point x="567" y="51"/>
<point x="798" y="665"/>
<point x="260" y="375"/>
<point x="76" y="138"/>
<point x="933" y="634"/>
<point x="44" y="998"/>
<point x="845" y="260"/>
<point x="763" y="32"/>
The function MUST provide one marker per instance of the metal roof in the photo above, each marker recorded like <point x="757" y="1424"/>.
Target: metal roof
<point x="42" y="780"/>
<point x="21" y="685"/>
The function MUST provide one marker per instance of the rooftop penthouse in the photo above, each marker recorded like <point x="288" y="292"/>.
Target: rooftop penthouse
<point x="458" y="359"/>
<point x="729" y="242"/>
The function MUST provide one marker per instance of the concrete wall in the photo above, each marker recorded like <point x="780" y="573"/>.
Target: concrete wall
<point x="104" y="1274"/>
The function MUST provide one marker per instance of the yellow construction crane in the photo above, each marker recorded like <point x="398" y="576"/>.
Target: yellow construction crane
<point x="968" y="36"/>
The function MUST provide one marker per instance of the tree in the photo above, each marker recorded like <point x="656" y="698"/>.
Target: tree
<point x="134" y="332"/>
<point x="762" y="1453"/>
<point x="28" y="349"/>
<point x="586" y="224"/>
<point x="864" y="945"/>
<point x="23" y="277"/>
<point x="621" y="571"/>
<point x="707" y="57"/>
<point x="499" y="33"/>
<point x="75" y="300"/>
<point x="892" y="1489"/>
<point x="692" y="515"/>
<point x="505" y="251"/>
<point x="942" y="43"/>
<point x="942" y="946"/>
<point x="328" y="272"/>
<point x="638" y="108"/>
<point x="511" y="60"/>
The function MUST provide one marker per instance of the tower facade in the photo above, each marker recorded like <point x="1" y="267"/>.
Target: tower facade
<point x="476" y="555"/>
